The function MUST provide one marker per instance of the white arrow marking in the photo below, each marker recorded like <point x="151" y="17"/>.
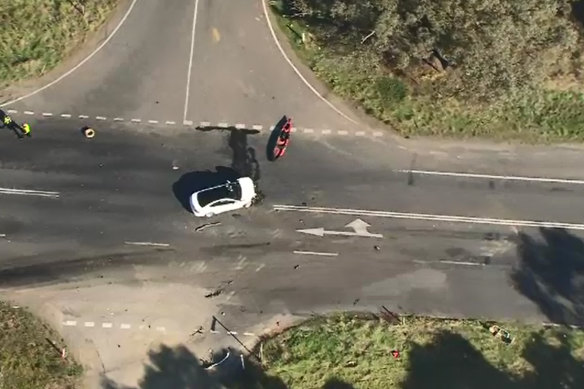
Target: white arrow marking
<point x="358" y="225"/>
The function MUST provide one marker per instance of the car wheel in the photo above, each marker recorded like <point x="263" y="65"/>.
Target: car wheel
<point x="210" y="214"/>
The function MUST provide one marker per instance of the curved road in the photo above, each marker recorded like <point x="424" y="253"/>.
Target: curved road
<point x="95" y="231"/>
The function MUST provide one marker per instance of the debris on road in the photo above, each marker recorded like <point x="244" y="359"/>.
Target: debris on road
<point x="356" y="301"/>
<point x="206" y="225"/>
<point x="296" y="267"/>
<point x="377" y="248"/>
<point x="215" y="293"/>
<point x="198" y="331"/>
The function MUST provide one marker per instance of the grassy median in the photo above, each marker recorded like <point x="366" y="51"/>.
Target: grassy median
<point x="340" y="42"/>
<point x="349" y="351"/>
<point x="30" y="356"/>
<point x="36" y="35"/>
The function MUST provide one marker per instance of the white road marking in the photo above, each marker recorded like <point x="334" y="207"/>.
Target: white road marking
<point x="495" y="177"/>
<point x="267" y="16"/>
<point x="153" y="121"/>
<point x="432" y="217"/>
<point x="308" y="130"/>
<point x="240" y="126"/>
<point x="260" y="267"/>
<point x="240" y="265"/>
<point x="83" y="117"/>
<point x="249" y="334"/>
<point x="89" y="324"/>
<point x="66" y="115"/>
<point x="326" y="132"/>
<point x="29" y="192"/>
<point x="378" y="133"/>
<point x="160" y="329"/>
<point x="293" y="129"/>
<point x="257" y="127"/>
<point x="125" y="326"/>
<point x="136" y="120"/>
<point x="222" y="125"/>
<point x="118" y="119"/>
<point x="105" y="42"/>
<point x="360" y="133"/>
<point x="70" y="323"/>
<point x="187" y="122"/>
<point x="13" y="111"/>
<point x="461" y="263"/>
<point x="170" y="122"/>
<point x="100" y="118"/>
<point x="107" y="325"/>
<point x="2" y="235"/>
<point x="148" y="244"/>
<point x="47" y="114"/>
<point x="187" y="93"/>
<point x="205" y="124"/>
<point x="28" y="112"/>
<point x="342" y="132"/>
<point x="322" y="254"/>
<point x="231" y="332"/>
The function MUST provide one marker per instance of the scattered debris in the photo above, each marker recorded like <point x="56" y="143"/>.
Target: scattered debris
<point x="501" y="333"/>
<point x="377" y="248"/>
<point x="215" y="293"/>
<point x="198" y="331"/>
<point x="206" y="225"/>
<point x="356" y="301"/>
<point x="389" y="316"/>
<point x="351" y="364"/>
<point x="395" y="353"/>
<point x="296" y="267"/>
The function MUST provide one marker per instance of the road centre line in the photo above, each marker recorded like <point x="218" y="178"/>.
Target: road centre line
<point x="322" y="254"/>
<point x="188" y="86"/>
<point x="431" y="217"/>
<point x="494" y="177"/>
<point x="148" y="244"/>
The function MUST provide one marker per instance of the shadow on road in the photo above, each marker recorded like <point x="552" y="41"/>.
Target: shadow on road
<point x="179" y="368"/>
<point x="244" y="159"/>
<point x="450" y="361"/>
<point x="191" y="182"/>
<point x="551" y="274"/>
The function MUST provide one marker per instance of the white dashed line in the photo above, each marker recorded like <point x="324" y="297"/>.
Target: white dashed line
<point x="462" y="263"/>
<point x="222" y="125"/>
<point x="70" y="323"/>
<point x="322" y="254"/>
<point x="360" y="133"/>
<point x="205" y="124"/>
<point x="187" y="122"/>
<point x="66" y="115"/>
<point x="89" y="324"/>
<point x="231" y="332"/>
<point x="2" y="235"/>
<point x="148" y="244"/>
<point x="378" y="133"/>
<point x="125" y="326"/>
<point x="326" y="132"/>
<point x="136" y="120"/>
<point x="83" y="117"/>
<point x="249" y="334"/>
<point x="118" y="119"/>
<point x="308" y="130"/>
<point x="257" y="127"/>
<point x="170" y="122"/>
<point x="160" y="329"/>
<point x="13" y="111"/>
<point x="342" y="132"/>
<point x="240" y="126"/>
<point x="153" y="121"/>
<point x="260" y="267"/>
<point x="28" y="112"/>
<point x="107" y="325"/>
<point x="293" y="129"/>
<point x="100" y="118"/>
<point x="47" y="114"/>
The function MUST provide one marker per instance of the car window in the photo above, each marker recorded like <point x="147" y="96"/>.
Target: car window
<point x="230" y="190"/>
<point x="223" y="202"/>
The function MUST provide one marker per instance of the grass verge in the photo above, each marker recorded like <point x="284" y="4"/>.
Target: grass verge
<point x="348" y="351"/>
<point x="35" y="35"/>
<point x="27" y="359"/>
<point x="538" y="116"/>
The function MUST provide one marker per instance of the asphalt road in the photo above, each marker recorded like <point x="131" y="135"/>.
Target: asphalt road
<point x="95" y="228"/>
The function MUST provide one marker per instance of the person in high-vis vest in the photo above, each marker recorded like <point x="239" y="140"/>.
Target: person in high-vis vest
<point x="7" y="120"/>
<point x="26" y="129"/>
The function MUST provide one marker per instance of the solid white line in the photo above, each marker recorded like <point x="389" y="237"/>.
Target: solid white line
<point x="83" y="117"/>
<point x="495" y="177"/>
<point x="28" y="192"/>
<point x="28" y="112"/>
<point x="260" y="267"/>
<point x="118" y="119"/>
<point x="89" y="324"/>
<point x="124" y="326"/>
<point x="316" y="253"/>
<point x="100" y="118"/>
<point x="148" y="244"/>
<point x="462" y="263"/>
<point x="169" y="122"/>
<point x="342" y="132"/>
<point x="187" y="94"/>
<point x="431" y="217"/>
<point x="257" y="127"/>
<point x="47" y="114"/>
<point x="153" y="121"/>
<point x="204" y="124"/>
<point x="70" y="323"/>
<point x="136" y="120"/>
<point x="66" y="115"/>
<point x="317" y="93"/>
<point x="113" y="33"/>
<point x="107" y="325"/>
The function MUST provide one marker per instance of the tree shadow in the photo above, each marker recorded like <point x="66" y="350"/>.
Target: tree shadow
<point x="578" y="11"/>
<point x="244" y="159"/>
<point x="551" y="274"/>
<point x="191" y="182"/>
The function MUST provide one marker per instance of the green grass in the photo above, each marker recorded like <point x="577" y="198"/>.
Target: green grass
<point x="435" y="353"/>
<point x="27" y="359"/>
<point x="535" y="116"/>
<point x="36" y="35"/>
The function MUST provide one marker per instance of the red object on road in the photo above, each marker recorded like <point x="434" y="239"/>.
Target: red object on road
<point x="283" y="139"/>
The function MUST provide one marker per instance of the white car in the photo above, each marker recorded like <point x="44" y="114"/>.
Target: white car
<point x="223" y="198"/>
